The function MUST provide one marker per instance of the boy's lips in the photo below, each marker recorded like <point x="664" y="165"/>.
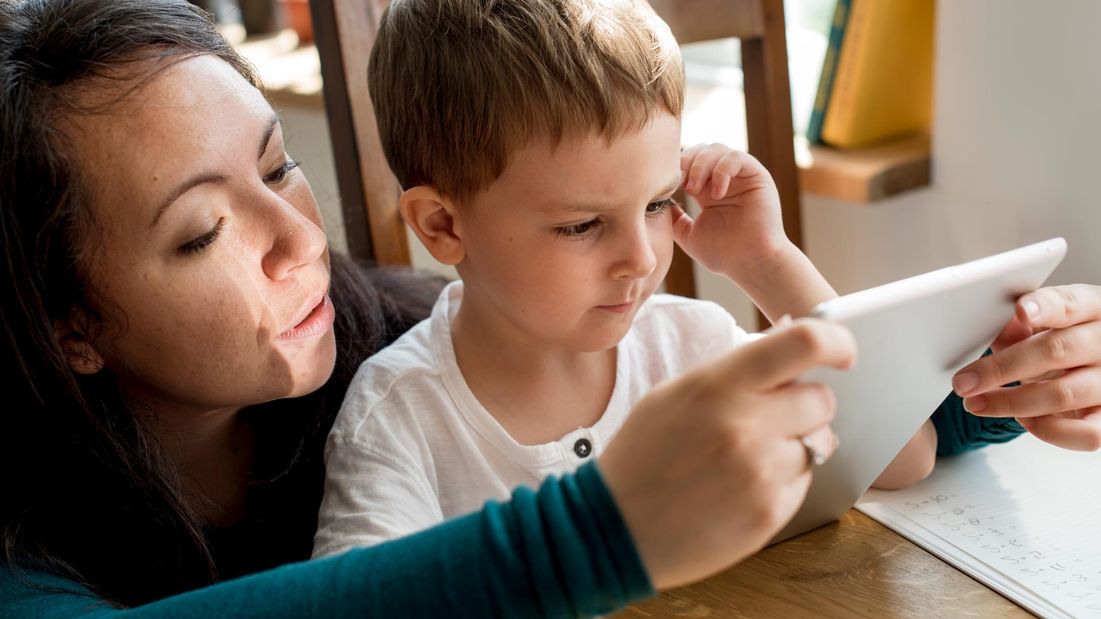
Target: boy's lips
<point x="618" y="308"/>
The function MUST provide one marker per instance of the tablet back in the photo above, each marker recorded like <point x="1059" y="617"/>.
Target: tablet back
<point x="912" y="335"/>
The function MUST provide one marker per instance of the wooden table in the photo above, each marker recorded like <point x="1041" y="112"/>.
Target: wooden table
<point x="852" y="568"/>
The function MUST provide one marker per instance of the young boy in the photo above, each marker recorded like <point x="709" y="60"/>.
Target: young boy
<point x="538" y="142"/>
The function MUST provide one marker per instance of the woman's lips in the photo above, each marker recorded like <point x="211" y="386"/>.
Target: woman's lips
<point x="317" y="322"/>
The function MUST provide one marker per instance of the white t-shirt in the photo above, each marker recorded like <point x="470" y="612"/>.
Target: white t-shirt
<point x="412" y="446"/>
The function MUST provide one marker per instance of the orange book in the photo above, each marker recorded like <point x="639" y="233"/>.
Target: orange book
<point x="883" y="86"/>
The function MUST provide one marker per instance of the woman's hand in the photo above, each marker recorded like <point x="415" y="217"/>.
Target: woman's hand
<point x="1053" y="347"/>
<point x="710" y="466"/>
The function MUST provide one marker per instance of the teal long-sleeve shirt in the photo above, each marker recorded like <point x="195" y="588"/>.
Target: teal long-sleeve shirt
<point x="563" y="551"/>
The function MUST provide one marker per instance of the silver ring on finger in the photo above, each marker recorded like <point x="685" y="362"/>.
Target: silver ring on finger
<point x="814" y="456"/>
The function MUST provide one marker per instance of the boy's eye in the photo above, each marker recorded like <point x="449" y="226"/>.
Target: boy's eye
<point x="657" y="208"/>
<point x="278" y="174"/>
<point x="578" y="231"/>
<point x="197" y="245"/>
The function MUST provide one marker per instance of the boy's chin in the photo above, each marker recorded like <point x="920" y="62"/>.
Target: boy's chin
<point x="606" y="340"/>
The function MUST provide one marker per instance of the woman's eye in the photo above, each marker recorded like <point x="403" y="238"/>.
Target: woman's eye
<point x="278" y="174"/>
<point x="197" y="245"/>
<point x="578" y="231"/>
<point x="657" y="208"/>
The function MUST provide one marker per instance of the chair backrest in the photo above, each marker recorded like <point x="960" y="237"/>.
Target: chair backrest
<point x="345" y="30"/>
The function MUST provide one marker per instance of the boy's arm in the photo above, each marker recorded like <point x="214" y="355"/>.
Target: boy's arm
<point x="914" y="463"/>
<point x="950" y="431"/>
<point x="785" y="283"/>
<point x="739" y="232"/>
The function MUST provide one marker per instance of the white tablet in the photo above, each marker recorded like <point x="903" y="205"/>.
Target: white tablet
<point x="912" y="336"/>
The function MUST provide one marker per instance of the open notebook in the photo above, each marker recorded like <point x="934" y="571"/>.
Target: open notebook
<point x="1024" y="518"/>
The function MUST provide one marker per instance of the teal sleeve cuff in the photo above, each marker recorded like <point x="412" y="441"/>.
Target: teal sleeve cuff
<point x="959" y="431"/>
<point x="624" y="560"/>
<point x="593" y="567"/>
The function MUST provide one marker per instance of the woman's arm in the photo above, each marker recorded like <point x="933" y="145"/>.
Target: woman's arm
<point x="563" y="551"/>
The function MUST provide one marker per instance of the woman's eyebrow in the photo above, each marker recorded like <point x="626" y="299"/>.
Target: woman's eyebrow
<point x="273" y="122"/>
<point x="213" y="177"/>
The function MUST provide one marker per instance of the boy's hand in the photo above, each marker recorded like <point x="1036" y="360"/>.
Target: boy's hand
<point x="739" y="232"/>
<point x="739" y="226"/>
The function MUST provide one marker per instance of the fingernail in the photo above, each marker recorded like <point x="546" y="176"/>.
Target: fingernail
<point x="786" y="318"/>
<point x="1032" y="308"/>
<point x="976" y="404"/>
<point x="964" y="382"/>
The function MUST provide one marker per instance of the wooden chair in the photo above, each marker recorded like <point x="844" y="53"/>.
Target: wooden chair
<point x="345" y="29"/>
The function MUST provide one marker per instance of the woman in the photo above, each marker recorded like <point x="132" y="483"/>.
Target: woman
<point x="168" y="344"/>
<point x="169" y="353"/>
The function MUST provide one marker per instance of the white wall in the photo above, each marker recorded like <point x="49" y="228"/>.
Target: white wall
<point x="1015" y="151"/>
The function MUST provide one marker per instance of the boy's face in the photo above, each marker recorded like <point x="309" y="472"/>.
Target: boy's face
<point x="565" y="246"/>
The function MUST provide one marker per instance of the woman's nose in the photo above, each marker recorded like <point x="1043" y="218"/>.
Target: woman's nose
<point x="296" y="240"/>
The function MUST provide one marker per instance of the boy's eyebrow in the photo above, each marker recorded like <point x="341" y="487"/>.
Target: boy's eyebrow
<point x="673" y="185"/>
<point x="214" y="177"/>
<point x="668" y="189"/>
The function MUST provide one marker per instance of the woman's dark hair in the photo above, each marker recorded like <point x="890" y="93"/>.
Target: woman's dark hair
<point x="85" y="491"/>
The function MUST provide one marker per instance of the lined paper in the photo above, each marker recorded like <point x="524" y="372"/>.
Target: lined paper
<point x="1023" y="517"/>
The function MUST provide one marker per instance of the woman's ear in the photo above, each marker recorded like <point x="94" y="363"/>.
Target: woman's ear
<point x="82" y="356"/>
<point x="432" y="216"/>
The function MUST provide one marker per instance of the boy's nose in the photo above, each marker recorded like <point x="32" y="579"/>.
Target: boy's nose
<point x="636" y="258"/>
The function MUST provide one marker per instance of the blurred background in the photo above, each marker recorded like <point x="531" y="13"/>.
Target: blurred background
<point x="1012" y="150"/>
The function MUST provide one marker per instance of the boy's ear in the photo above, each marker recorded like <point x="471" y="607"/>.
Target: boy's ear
<point x="432" y="216"/>
<point x="82" y="356"/>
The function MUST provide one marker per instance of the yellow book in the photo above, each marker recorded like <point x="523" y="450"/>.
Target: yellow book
<point x="883" y="87"/>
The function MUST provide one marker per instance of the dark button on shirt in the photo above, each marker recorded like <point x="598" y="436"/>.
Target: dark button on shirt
<point x="582" y="448"/>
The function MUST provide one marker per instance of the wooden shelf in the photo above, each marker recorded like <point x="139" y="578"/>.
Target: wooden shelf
<point x="864" y="175"/>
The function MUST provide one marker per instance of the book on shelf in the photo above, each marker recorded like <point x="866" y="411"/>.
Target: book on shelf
<point x="829" y="66"/>
<point x="883" y="79"/>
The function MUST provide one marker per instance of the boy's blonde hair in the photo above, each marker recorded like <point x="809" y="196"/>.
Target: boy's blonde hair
<point x="459" y="85"/>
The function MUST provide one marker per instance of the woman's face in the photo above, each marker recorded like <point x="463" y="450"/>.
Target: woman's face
<point x="206" y="251"/>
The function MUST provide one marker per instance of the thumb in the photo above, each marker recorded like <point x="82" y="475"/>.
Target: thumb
<point x="787" y="352"/>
